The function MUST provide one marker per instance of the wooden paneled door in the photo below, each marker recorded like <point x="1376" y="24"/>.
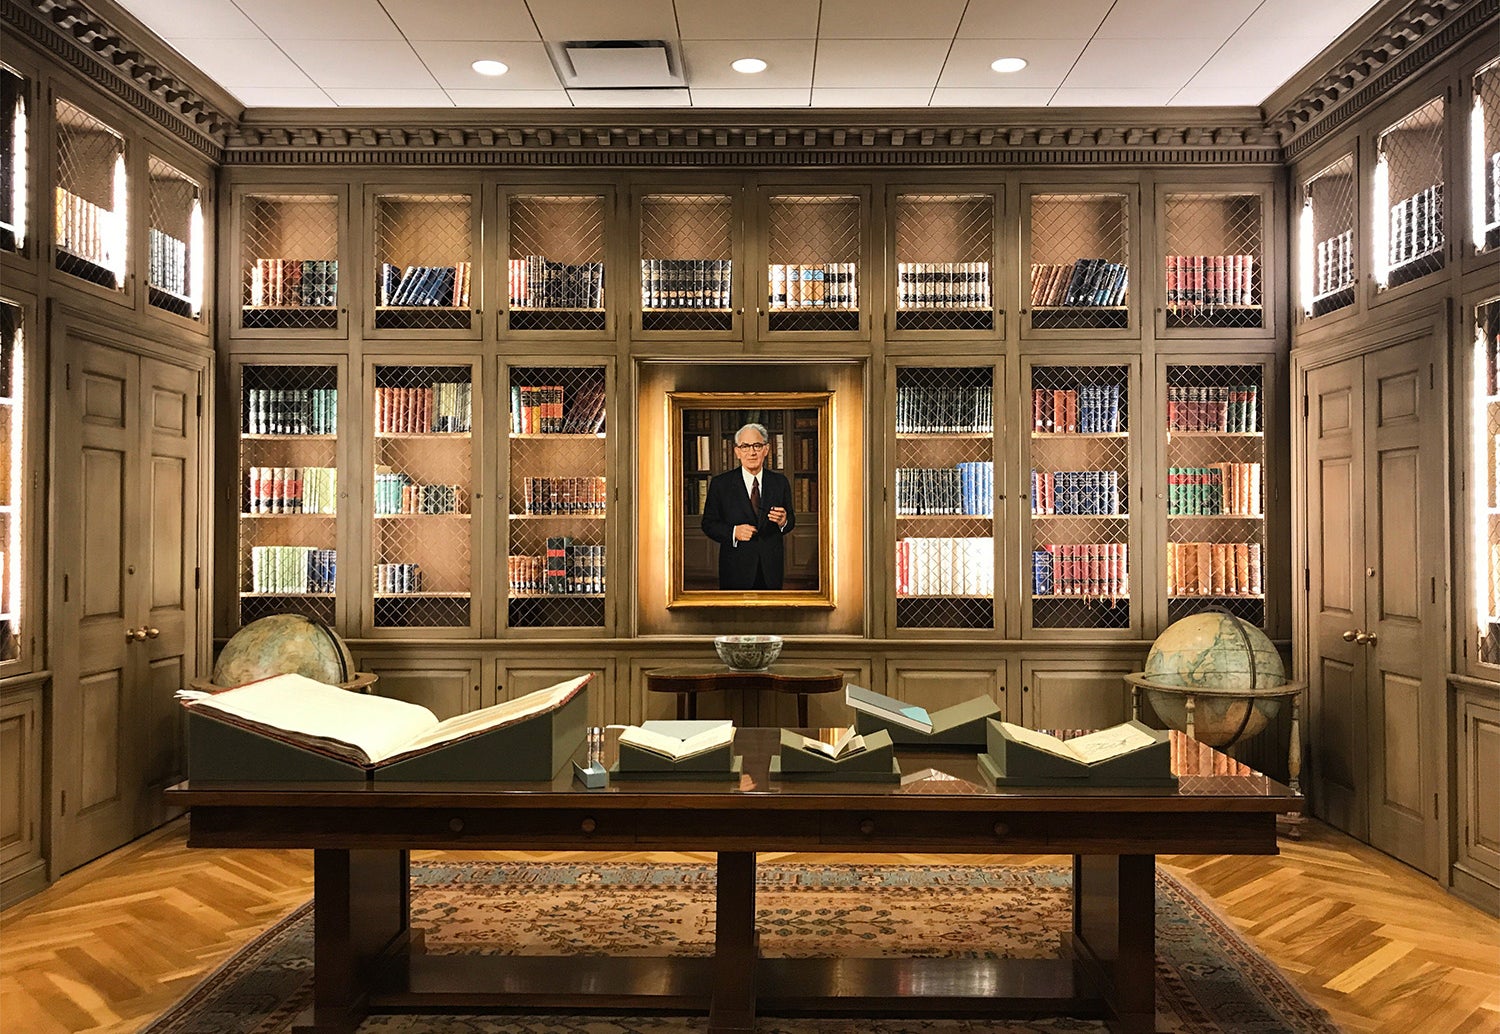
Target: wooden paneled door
<point x="127" y="437"/>
<point x="1376" y="518"/>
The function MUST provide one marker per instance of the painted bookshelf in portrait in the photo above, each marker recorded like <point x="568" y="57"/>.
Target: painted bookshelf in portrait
<point x="1410" y="223"/>
<point x="1328" y="267"/>
<point x="1079" y="248"/>
<point x="688" y="247"/>
<point x="90" y="226"/>
<point x="943" y="495"/>
<point x="1484" y="158"/>
<point x="814" y="244"/>
<point x="422" y="533"/>
<point x="1484" y="425"/>
<point x="15" y="624"/>
<point x="1080" y="492"/>
<point x="289" y="254"/>
<point x="944" y="280"/>
<point x="1215" y="489"/>
<point x="175" y="240"/>
<point x="15" y="132"/>
<point x="555" y="262"/>
<point x="424" y="261"/>
<point x="1213" y="263"/>
<point x="556" y="556"/>
<point x="288" y="490"/>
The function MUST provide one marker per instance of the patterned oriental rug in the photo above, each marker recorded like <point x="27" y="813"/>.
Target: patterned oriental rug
<point x="1208" y="979"/>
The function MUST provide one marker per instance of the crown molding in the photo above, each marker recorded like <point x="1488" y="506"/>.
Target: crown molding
<point x="100" y="42"/>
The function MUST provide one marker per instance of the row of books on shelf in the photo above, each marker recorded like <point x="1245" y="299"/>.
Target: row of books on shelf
<point x="567" y="568"/>
<point x="821" y="285"/>
<point x="1214" y="569"/>
<point x="552" y="409"/>
<point x="1077" y="493"/>
<point x="399" y="493"/>
<point x="291" y="411"/>
<point x="295" y="283"/>
<point x="395" y="579"/>
<point x="1092" y="409"/>
<point x="562" y="495"/>
<point x="945" y="566"/>
<point x="166" y="262"/>
<point x="1091" y="569"/>
<point x="1334" y="264"/>
<point x="1223" y="488"/>
<point x="442" y="407"/>
<point x="292" y="490"/>
<point x="539" y="283"/>
<point x="1417" y="225"/>
<point x="443" y="286"/>
<point x="1225" y="407"/>
<point x="292" y="569"/>
<point x="943" y="285"/>
<point x="87" y="230"/>
<point x="936" y="410"/>
<point x="1088" y="282"/>
<point x="686" y="283"/>
<point x="967" y="489"/>
<point x="1209" y="281"/>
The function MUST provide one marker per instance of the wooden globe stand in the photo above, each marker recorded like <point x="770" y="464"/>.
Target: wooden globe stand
<point x="360" y="683"/>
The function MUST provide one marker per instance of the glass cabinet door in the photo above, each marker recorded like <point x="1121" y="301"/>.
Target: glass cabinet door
<point x="289" y="262"/>
<point x="1080" y="258"/>
<point x="15" y="622"/>
<point x="15" y="128"/>
<point x="1410" y="225"/>
<point x="175" y="241"/>
<point x="91" y="227"/>
<point x="555" y="263"/>
<point x="1213" y="265"/>
<point x="687" y="278"/>
<point x="1327" y="258"/>
<point x="945" y="279"/>
<point x="423" y="261"/>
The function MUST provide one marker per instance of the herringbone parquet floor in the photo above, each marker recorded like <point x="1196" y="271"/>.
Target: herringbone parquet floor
<point x="111" y="945"/>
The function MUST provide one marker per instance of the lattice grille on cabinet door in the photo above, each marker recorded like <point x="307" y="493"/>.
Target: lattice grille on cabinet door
<point x="944" y="248"/>
<point x="944" y="495"/>
<point x="1411" y="152"/>
<point x="1335" y="267"/>
<point x="812" y="251"/>
<point x="1080" y="497"/>
<point x="13" y="420"/>
<point x="423" y="261"/>
<point x="1487" y="95"/>
<point x="687" y="262"/>
<point x="14" y="159"/>
<point x="1213" y="266"/>
<point x="289" y="261"/>
<point x="558" y="496"/>
<point x="555" y="269"/>
<point x="422" y="496"/>
<point x="288" y="491"/>
<point x="1215" y="491"/>
<point x="171" y="199"/>
<point x="89" y="225"/>
<point x="1080" y="255"/>
<point x="1487" y="476"/>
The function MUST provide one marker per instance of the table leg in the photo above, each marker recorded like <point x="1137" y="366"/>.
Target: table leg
<point x="1114" y="934"/>
<point x="801" y="710"/>
<point x="361" y="918"/>
<point x="733" y="1007"/>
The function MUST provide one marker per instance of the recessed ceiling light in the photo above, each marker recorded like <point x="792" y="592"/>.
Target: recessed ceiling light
<point x="1008" y="64"/>
<point x="490" y="67"/>
<point x="748" y="65"/>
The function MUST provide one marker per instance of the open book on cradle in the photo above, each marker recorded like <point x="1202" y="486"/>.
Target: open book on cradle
<point x="289" y="728"/>
<point x="1130" y="754"/>
<point x="962" y="725"/>
<point x="843" y="756"/>
<point x="677" y="750"/>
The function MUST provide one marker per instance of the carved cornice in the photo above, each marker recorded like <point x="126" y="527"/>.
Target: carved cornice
<point x="1419" y="35"/>
<point x="81" y="38"/>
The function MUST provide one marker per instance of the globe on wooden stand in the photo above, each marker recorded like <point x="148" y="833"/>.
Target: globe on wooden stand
<point x="284" y="644"/>
<point x="1217" y="678"/>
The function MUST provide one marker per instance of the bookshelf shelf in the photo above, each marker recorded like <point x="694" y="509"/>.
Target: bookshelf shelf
<point x="1483" y="474"/>
<point x="557" y="516"/>
<point x="553" y="436"/>
<point x="248" y="438"/>
<point x="435" y="595"/>
<point x="286" y="595"/>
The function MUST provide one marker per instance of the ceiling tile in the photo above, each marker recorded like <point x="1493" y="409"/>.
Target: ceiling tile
<point x="462" y="19"/>
<point x="188" y="19"/>
<point x="390" y="97"/>
<point x="1325" y="20"/>
<point x="667" y="98"/>
<point x="604" y="19"/>
<point x="1274" y="59"/>
<point x="236" y="63"/>
<point x="1112" y="63"/>
<point x="1217" y="95"/>
<point x="510" y="98"/>
<point x="283" y="97"/>
<point x="450" y="63"/>
<point x="886" y="63"/>
<point x="779" y="19"/>
<point x="785" y="98"/>
<point x="965" y="97"/>
<point x="1047" y="62"/>
<point x="360" y="64"/>
<point x="314" y="20"/>
<point x="1110" y="97"/>
<point x="789" y="63"/>
<point x="1032" y="19"/>
<point x="883" y="97"/>
<point x="1147" y="19"/>
<point x="889" y="19"/>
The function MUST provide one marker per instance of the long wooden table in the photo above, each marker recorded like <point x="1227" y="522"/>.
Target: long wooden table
<point x="366" y="958"/>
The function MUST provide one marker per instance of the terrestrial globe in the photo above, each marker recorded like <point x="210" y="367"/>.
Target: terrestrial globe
<point x="287" y="644"/>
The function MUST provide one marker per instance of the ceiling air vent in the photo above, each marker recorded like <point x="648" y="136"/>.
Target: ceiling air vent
<point x="617" y="65"/>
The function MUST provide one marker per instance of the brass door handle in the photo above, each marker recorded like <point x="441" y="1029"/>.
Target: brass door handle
<point x="151" y="633"/>
<point x="1351" y="634"/>
<point x="1365" y="639"/>
<point x="135" y="635"/>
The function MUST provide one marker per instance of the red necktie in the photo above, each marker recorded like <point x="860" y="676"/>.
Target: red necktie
<point x="755" y="496"/>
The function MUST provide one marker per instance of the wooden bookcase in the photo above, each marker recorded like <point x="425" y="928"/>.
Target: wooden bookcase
<point x="291" y="253"/>
<point x="1484" y="158"/>
<point x="690" y="262"/>
<point x="1080" y="257"/>
<point x="555" y="250"/>
<point x="815" y="248"/>
<point x="1212" y="270"/>
<point x="947" y="279"/>
<point x="424" y="263"/>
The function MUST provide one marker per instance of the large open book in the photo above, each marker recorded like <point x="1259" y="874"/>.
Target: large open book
<point x="1130" y="754"/>
<point x="961" y="725"/>
<point x="258" y="730"/>
<point x="667" y="745"/>
<point x="677" y="750"/>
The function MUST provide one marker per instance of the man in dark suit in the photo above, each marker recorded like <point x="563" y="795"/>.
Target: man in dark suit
<point x="747" y="511"/>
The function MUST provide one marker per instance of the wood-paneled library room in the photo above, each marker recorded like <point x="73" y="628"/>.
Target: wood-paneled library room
<point x="816" y="517"/>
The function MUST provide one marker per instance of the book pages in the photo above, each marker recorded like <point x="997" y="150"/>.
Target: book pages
<point x="507" y="712"/>
<point x="678" y="749"/>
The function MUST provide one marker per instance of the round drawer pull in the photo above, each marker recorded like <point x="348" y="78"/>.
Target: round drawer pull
<point x="588" y="825"/>
<point x="1001" y="829"/>
<point x="867" y="826"/>
<point x="457" y="825"/>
